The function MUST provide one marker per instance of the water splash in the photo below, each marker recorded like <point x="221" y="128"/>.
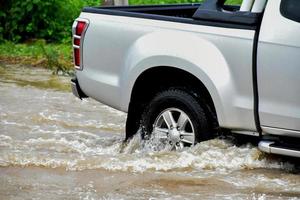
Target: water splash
<point x="111" y="153"/>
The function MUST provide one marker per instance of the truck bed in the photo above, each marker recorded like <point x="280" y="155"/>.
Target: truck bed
<point x="185" y="13"/>
<point x="177" y="10"/>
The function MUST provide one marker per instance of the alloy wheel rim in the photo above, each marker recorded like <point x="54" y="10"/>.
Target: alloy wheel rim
<point x="174" y="127"/>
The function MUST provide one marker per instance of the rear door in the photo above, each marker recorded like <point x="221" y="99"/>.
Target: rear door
<point x="279" y="68"/>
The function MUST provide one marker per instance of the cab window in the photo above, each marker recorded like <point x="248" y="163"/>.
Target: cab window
<point x="290" y="9"/>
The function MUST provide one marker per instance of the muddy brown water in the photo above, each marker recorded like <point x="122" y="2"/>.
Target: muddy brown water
<point x="54" y="146"/>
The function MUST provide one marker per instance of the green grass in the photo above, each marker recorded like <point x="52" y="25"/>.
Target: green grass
<point x="234" y="2"/>
<point x="33" y="49"/>
<point x="57" y="57"/>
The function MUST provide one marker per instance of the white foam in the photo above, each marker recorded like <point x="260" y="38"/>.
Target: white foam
<point x="88" y="151"/>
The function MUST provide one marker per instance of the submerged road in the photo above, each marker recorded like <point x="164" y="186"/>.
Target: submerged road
<point x="54" y="146"/>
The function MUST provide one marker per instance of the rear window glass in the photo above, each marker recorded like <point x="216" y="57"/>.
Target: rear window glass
<point x="290" y="9"/>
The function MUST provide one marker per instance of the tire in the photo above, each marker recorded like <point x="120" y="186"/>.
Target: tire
<point x="188" y="117"/>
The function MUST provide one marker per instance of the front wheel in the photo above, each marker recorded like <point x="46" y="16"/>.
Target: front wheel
<point x="175" y="117"/>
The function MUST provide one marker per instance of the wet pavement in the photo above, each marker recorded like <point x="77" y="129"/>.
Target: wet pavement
<point x="54" y="146"/>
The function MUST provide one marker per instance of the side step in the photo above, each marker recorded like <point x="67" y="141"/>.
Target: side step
<point x="277" y="148"/>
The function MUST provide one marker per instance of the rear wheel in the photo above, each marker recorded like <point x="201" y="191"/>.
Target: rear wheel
<point x="175" y="117"/>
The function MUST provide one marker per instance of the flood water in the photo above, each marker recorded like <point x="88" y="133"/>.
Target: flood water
<point x="54" y="146"/>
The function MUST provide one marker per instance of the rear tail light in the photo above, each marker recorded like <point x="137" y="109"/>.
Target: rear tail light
<point x="77" y="58"/>
<point x="79" y="29"/>
<point x="76" y="41"/>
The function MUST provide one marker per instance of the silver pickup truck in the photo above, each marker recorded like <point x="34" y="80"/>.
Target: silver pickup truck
<point x="186" y="72"/>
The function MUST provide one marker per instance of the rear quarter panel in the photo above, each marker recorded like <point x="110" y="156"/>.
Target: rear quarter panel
<point x="118" y="49"/>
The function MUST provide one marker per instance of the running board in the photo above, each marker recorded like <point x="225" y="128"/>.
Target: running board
<point x="275" y="148"/>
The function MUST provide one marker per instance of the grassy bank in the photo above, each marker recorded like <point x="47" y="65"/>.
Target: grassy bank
<point x="56" y="57"/>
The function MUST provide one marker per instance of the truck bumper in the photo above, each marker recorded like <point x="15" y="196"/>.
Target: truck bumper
<point x="76" y="89"/>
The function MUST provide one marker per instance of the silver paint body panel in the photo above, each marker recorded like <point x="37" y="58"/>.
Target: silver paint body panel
<point x="280" y="131"/>
<point x="117" y="49"/>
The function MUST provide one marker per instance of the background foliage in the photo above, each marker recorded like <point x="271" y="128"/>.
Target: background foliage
<point x="51" y="20"/>
<point x="48" y="19"/>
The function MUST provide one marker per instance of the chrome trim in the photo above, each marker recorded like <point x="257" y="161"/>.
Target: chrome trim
<point x="76" y="36"/>
<point x="77" y="67"/>
<point x="76" y="46"/>
<point x="280" y="131"/>
<point x="265" y="146"/>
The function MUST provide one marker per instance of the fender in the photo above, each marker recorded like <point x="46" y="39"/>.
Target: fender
<point x="195" y="55"/>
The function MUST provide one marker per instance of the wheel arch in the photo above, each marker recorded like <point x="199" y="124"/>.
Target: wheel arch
<point x="159" y="78"/>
